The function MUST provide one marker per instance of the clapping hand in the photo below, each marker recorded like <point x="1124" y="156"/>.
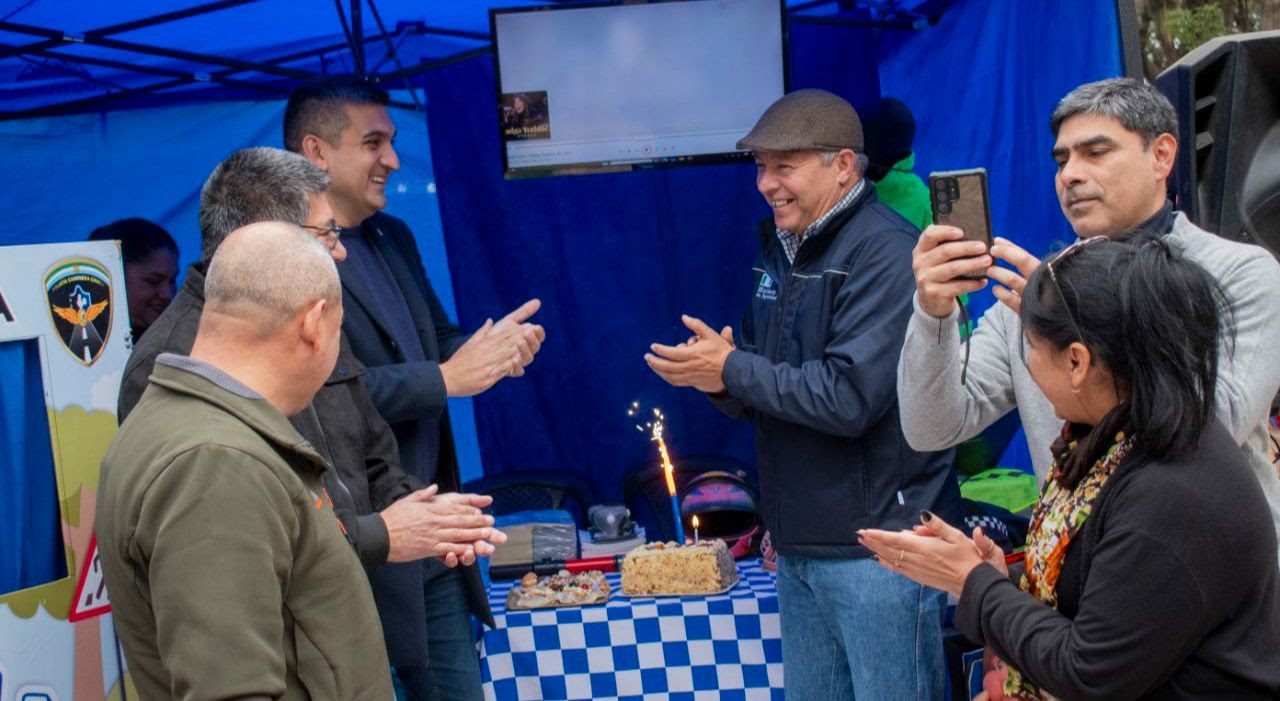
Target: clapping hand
<point x="451" y="527"/>
<point x="934" y="554"/>
<point x="698" y="362"/>
<point x="525" y="337"/>
<point x="494" y="351"/>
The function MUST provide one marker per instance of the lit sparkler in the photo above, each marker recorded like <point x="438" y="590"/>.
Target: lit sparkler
<point x="655" y="428"/>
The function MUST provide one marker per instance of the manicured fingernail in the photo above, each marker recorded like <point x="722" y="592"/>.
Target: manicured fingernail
<point x="925" y="516"/>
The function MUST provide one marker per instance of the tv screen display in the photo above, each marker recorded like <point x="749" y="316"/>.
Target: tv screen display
<point x="617" y="87"/>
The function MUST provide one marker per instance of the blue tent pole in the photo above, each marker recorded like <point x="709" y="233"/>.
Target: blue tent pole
<point x="357" y="30"/>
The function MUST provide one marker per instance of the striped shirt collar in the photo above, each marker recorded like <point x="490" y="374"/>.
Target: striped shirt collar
<point x="791" y="241"/>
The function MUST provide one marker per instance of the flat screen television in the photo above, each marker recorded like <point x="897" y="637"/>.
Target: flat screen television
<point x="602" y="88"/>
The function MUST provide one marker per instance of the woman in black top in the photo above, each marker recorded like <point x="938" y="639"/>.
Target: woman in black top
<point x="1151" y="560"/>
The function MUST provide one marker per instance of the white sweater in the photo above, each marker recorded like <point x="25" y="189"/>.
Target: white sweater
<point x="937" y="412"/>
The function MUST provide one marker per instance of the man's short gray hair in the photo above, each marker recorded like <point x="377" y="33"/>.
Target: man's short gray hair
<point x="255" y="185"/>
<point x="860" y="160"/>
<point x="1138" y="106"/>
<point x="269" y="272"/>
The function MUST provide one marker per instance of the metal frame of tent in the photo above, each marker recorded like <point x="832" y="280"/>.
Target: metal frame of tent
<point x="273" y="76"/>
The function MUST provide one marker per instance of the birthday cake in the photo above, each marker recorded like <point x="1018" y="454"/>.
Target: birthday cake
<point x="704" y="567"/>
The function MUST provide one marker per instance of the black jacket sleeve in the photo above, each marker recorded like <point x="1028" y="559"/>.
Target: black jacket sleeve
<point x="175" y="332"/>
<point x="448" y="336"/>
<point x="407" y="391"/>
<point x="387" y="481"/>
<point x="410" y="391"/>
<point x="1139" y="618"/>
<point x="728" y="404"/>
<point x="854" y="384"/>
<point x="134" y="383"/>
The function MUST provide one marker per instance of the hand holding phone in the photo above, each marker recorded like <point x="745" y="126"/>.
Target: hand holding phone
<point x="959" y="198"/>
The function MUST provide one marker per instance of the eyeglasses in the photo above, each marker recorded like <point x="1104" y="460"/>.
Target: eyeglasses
<point x="1053" y="277"/>
<point x="323" y="231"/>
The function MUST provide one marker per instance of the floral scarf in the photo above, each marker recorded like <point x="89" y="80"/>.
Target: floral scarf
<point x="1058" y="516"/>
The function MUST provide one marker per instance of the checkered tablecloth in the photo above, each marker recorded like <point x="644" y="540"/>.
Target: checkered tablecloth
<point x="727" y="646"/>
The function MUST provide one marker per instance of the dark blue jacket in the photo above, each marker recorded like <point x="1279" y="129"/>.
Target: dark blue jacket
<point x="815" y="371"/>
<point x="411" y="397"/>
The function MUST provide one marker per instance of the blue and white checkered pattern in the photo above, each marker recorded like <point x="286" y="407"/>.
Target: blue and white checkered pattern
<point x="727" y="646"/>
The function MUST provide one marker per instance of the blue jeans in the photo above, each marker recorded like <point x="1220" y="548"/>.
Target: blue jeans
<point x="453" y="663"/>
<point x="854" y="630"/>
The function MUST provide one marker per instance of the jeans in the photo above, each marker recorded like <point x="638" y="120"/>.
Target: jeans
<point x="854" y="630"/>
<point x="453" y="662"/>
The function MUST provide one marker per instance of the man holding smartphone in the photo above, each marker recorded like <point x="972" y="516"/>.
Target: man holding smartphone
<point x="812" y="369"/>
<point x="1115" y="149"/>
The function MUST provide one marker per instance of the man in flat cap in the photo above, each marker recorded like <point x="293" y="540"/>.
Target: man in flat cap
<point x="813" y="368"/>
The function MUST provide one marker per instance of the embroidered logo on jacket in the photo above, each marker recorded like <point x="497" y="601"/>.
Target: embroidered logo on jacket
<point x="767" y="289"/>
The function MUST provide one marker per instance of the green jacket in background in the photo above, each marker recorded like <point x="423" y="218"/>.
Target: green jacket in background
<point x="228" y="571"/>
<point x="906" y="193"/>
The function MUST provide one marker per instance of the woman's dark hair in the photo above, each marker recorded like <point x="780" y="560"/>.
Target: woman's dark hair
<point x="1155" y="319"/>
<point x="138" y="238"/>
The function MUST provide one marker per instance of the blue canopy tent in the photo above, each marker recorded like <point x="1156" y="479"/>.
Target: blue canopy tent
<point x="121" y="109"/>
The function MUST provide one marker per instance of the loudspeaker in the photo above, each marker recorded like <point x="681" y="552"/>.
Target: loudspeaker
<point x="1227" y="95"/>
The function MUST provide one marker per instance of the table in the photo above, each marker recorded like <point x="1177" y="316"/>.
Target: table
<point x="727" y="646"/>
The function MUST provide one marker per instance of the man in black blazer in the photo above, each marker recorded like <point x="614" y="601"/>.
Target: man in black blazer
<point x="416" y="358"/>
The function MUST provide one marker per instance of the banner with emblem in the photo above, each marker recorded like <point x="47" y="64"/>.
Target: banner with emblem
<point x="79" y="291"/>
<point x="62" y="353"/>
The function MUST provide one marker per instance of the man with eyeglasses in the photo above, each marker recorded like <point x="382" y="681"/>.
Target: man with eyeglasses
<point x="1115" y="149"/>
<point x="329" y="234"/>
<point x="386" y="514"/>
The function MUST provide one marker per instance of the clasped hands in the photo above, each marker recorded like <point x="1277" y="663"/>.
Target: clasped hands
<point x="496" y="350"/>
<point x="450" y="527"/>
<point x="698" y="362"/>
<point x="934" y="553"/>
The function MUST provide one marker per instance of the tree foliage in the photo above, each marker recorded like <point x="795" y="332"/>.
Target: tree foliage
<point x="1171" y="28"/>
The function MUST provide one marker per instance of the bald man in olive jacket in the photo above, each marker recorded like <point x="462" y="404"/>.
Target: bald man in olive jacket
<point x="228" y="570"/>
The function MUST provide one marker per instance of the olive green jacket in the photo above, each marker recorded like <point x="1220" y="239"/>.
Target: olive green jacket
<point x="228" y="573"/>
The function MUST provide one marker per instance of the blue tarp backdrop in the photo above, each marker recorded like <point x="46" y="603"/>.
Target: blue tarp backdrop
<point x="615" y="258"/>
<point x="83" y="171"/>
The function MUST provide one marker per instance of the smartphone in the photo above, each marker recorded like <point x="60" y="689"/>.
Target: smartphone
<point x="959" y="199"/>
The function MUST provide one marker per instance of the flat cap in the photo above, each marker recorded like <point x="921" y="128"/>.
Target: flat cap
<point x="806" y="120"/>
